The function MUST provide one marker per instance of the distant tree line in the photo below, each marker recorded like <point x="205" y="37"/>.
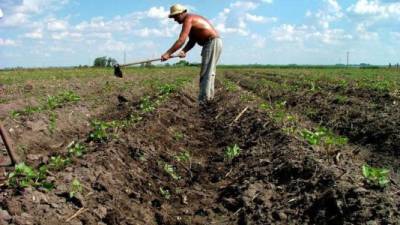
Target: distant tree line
<point x="104" y="62"/>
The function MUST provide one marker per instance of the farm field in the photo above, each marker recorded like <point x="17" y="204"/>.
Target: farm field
<point x="277" y="146"/>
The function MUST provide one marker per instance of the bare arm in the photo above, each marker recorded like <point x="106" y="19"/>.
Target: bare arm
<point x="187" y="25"/>
<point x="189" y="45"/>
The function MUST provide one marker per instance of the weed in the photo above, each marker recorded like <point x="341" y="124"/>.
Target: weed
<point x="230" y="86"/>
<point x="24" y="176"/>
<point x="77" y="150"/>
<point x="165" y="193"/>
<point x="183" y="156"/>
<point x="58" y="162"/>
<point x="76" y="187"/>
<point x="166" y="89"/>
<point x="169" y="169"/>
<point x="178" y="135"/>
<point x="232" y="152"/>
<point x="99" y="132"/>
<point x="146" y="105"/>
<point x="247" y="97"/>
<point x="53" y="120"/>
<point x="265" y="106"/>
<point x="313" y="138"/>
<point x="376" y="176"/>
<point x="59" y="100"/>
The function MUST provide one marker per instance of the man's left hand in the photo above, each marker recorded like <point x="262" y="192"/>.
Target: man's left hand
<point x="165" y="57"/>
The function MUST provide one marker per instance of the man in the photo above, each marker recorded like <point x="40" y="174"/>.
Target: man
<point x="200" y="31"/>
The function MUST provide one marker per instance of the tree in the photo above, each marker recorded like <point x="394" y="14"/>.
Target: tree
<point x="104" y="62"/>
<point x="182" y="63"/>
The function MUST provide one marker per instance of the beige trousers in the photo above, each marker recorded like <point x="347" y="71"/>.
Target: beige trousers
<point x="210" y="56"/>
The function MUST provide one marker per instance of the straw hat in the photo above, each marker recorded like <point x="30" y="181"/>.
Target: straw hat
<point x="176" y="9"/>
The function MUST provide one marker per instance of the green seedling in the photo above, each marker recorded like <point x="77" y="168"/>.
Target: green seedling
<point x="76" y="187"/>
<point x="171" y="171"/>
<point x="53" y="102"/>
<point x="77" y="150"/>
<point x="58" y="162"/>
<point x="183" y="156"/>
<point x="24" y="176"/>
<point x="232" y="152"/>
<point x="166" y="89"/>
<point x="178" y="135"/>
<point x="313" y="138"/>
<point x="165" y="193"/>
<point x="99" y="132"/>
<point x="53" y="120"/>
<point x="146" y="105"/>
<point x="265" y="106"/>
<point x="230" y="86"/>
<point x="376" y="176"/>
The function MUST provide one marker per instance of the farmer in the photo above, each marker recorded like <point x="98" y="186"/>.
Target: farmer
<point x="200" y="31"/>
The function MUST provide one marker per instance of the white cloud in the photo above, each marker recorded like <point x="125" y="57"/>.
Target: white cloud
<point x="364" y="34"/>
<point x="20" y="12"/>
<point x="157" y="13"/>
<point x="330" y="13"/>
<point x="57" y="25"/>
<point x="236" y="17"/>
<point x="303" y="33"/>
<point x="36" y="34"/>
<point x="1" y="13"/>
<point x="376" y="8"/>
<point x="7" y="42"/>
<point x="67" y="35"/>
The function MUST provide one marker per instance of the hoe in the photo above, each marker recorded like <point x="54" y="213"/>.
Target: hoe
<point x="7" y="142"/>
<point x="118" y="71"/>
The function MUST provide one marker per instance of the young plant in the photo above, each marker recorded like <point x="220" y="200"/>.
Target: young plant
<point x="24" y="176"/>
<point x="178" y="135"/>
<point x="232" y="152"/>
<point x="77" y="150"/>
<point x="376" y="176"/>
<point x="58" y="162"/>
<point x="183" y="156"/>
<point x="313" y="138"/>
<point x="146" y="105"/>
<point x="265" y="106"/>
<point x="169" y="169"/>
<point x="76" y="187"/>
<point x="53" y="120"/>
<point x="165" y="193"/>
<point x="99" y="132"/>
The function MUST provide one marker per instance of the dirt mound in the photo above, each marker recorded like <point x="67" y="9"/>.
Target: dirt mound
<point x="172" y="168"/>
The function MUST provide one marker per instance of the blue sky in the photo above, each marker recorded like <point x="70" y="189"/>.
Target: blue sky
<point x="36" y="33"/>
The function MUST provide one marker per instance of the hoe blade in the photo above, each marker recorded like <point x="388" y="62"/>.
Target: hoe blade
<point x="117" y="71"/>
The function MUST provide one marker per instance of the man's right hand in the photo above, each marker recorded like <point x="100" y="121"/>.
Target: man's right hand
<point x="165" y="57"/>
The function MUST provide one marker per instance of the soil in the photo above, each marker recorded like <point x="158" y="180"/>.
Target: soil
<point x="369" y="118"/>
<point x="276" y="179"/>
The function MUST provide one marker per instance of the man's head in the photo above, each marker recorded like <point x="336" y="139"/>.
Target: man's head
<point x="178" y="13"/>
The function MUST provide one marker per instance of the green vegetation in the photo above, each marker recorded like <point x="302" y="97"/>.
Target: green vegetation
<point x="24" y="176"/>
<point x="170" y="170"/>
<point x="76" y="187"/>
<point x="58" y="162"/>
<point x="376" y="176"/>
<point x="165" y="193"/>
<point x="77" y="149"/>
<point x="232" y="152"/>
<point x="183" y="156"/>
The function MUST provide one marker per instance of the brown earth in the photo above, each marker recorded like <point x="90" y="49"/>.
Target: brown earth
<point x="277" y="179"/>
